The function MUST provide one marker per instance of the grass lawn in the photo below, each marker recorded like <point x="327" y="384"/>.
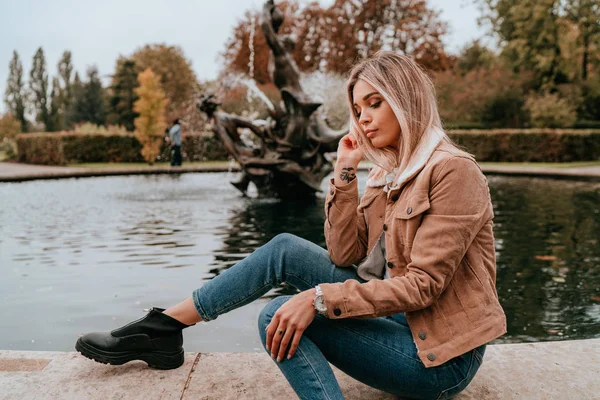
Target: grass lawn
<point x="146" y="165"/>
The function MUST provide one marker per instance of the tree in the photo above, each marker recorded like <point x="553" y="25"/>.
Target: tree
<point x="123" y="94"/>
<point x="586" y="15"/>
<point x="63" y="96"/>
<point x="151" y="106"/>
<point x="55" y="104"/>
<point x="174" y="71"/>
<point x="73" y="115"/>
<point x="334" y="38"/>
<point x="38" y="83"/>
<point x="15" y="93"/>
<point x="363" y="27"/>
<point x="529" y="33"/>
<point x="474" y="56"/>
<point x="89" y="101"/>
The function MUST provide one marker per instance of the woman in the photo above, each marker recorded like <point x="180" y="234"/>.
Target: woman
<point x="404" y="299"/>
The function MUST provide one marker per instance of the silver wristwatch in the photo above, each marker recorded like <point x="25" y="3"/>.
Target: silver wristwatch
<point x="319" y="301"/>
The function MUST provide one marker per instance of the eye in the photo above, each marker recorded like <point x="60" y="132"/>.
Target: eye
<point x="376" y="104"/>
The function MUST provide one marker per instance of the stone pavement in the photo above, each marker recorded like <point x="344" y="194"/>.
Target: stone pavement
<point x="16" y="172"/>
<point x="544" y="370"/>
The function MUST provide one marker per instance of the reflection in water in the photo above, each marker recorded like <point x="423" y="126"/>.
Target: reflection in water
<point x="548" y="257"/>
<point x="90" y="253"/>
<point x="257" y="221"/>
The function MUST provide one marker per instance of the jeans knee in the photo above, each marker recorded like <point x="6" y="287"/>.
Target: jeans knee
<point x="284" y="240"/>
<point x="267" y="313"/>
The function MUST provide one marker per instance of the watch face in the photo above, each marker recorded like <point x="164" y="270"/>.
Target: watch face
<point x="320" y="304"/>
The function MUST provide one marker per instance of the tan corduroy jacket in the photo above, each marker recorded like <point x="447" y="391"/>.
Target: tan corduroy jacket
<point x="440" y="255"/>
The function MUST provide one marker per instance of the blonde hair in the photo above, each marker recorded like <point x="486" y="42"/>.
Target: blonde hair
<point x="411" y="95"/>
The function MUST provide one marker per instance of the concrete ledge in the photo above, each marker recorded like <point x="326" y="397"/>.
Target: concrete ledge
<point x="13" y="172"/>
<point x="16" y="172"/>
<point x="546" y="370"/>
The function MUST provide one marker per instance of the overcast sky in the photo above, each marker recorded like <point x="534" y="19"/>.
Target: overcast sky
<point x="97" y="32"/>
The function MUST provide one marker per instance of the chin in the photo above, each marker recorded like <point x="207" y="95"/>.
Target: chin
<point x="378" y="143"/>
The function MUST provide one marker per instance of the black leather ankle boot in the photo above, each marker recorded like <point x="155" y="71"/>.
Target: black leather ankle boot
<point x="155" y="339"/>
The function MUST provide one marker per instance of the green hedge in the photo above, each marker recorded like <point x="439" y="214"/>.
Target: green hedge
<point x="40" y="148"/>
<point x="501" y="145"/>
<point x="72" y="148"/>
<point x="530" y="145"/>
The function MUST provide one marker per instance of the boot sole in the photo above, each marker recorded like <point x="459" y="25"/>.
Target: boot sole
<point x="154" y="359"/>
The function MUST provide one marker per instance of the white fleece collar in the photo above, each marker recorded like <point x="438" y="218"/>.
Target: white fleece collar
<point x="429" y="142"/>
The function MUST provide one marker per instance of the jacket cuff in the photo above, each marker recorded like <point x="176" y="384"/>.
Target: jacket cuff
<point x="345" y="192"/>
<point x="334" y="300"/>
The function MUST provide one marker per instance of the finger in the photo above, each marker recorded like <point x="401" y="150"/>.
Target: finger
<point x="271" y="331"/>
<point x="277" y="340"/>
<point x="287" y="338"/>
<point x="295" y="342"/>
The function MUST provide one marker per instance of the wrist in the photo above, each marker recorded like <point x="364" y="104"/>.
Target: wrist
<point x="348" y="161"/>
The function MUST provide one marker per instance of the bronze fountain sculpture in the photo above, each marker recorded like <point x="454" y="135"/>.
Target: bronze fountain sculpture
<point x="290" y="162"/>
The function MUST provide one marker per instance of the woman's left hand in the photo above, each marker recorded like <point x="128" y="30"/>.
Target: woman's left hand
<point x="289" y="323"/>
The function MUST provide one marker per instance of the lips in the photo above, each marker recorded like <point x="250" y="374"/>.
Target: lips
<point x="370" y="132"/>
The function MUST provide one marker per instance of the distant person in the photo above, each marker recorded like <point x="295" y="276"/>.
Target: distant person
<point x="175" y="137"/>
<point x="404" y="298"/>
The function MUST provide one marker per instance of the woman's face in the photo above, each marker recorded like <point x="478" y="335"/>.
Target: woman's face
<point x="375" y="116"/>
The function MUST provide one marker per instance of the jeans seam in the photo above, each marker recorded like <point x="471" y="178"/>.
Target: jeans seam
<point x="417" y="360"/>
<point x="233" y="305"/>
<point x="299" y="278"/>
<point x="300" y="352"/>
<point x="443" y="392"/>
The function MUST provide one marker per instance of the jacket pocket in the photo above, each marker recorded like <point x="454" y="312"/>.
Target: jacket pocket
<point x="408" y="215"/>
<point x="416" y="204"/>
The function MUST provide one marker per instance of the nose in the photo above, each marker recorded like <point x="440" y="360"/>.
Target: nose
<point x="364" y="119"/>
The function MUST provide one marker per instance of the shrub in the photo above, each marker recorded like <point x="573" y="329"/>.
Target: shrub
<point x="88" y="148"/>
<point x="548" y="110"/>
<point x="491" y="96"/>
<point x="91" y="128"/>
<point x="9" y="127"/>
<point x="530" y="145"/>
<point x="40" y="148"/>
<point x="590" y="106"/>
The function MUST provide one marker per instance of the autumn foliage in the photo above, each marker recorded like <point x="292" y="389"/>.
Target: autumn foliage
<point x="151" y="106"/>
<point x="332" y="39"/>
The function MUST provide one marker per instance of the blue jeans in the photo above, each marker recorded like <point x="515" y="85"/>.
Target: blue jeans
<point x="379" y="352"/>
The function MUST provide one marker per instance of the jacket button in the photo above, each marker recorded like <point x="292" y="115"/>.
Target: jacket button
<point x="331" y="192"/>
<point x="431" y="356"/>
<point x="409" y="210"/>
<point x="337" y="312"/>
<point x="390" y="264"/>
<point x="422" y="335"/>
<point x="395" y="197"/>
<point x="384" y="227"/>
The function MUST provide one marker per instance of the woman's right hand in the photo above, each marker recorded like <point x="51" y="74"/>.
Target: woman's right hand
<point x="348" y="149"/>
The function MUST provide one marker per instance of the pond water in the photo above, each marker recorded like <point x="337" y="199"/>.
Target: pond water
<point x="82" y="255"/>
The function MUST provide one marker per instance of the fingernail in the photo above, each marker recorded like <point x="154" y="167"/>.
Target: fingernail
<point x="278" y="359"/>
<point x="288" y="357"/>
<point x="268" y="349"/>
